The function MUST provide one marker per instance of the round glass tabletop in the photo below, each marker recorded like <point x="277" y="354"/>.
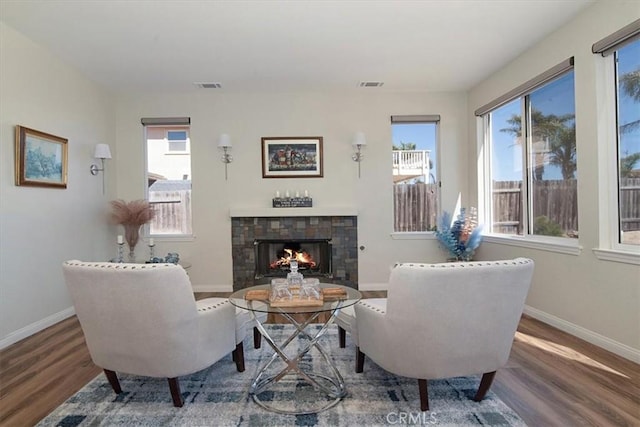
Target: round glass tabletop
<point x="238" y="299"/>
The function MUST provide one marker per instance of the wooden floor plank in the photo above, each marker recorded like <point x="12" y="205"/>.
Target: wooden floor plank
<point x="552" y="378"/>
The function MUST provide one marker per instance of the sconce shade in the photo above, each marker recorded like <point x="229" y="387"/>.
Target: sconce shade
<point x="359" y="139"/>
<point x="224" y="140"/>
<point x="102" y="151"/>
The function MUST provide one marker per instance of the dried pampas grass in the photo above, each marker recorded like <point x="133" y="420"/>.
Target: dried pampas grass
<point x="131" y="216"/>
<point x="136" y="212"/>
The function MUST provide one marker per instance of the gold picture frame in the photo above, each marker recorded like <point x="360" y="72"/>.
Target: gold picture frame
<point x="292" y="157"/>
<point x="41" y="159"/>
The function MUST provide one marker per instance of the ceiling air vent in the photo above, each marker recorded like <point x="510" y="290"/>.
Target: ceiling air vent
<point x="370" y="84"/>
<point x="206" y="85"/>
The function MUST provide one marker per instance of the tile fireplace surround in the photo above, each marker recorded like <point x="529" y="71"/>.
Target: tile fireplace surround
<point x="341" y="229"/>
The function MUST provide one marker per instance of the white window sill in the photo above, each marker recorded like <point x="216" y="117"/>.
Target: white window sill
<point x="413" y="235"/>
<point x="617" y="256"/>
<point x="559" y="245"/>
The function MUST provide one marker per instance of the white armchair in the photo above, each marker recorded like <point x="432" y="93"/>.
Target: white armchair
<point x="143" y="319"/>
<point x="445" y="320"/>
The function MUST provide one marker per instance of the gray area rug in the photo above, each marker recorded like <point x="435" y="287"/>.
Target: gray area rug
<point x="218" y="396"/>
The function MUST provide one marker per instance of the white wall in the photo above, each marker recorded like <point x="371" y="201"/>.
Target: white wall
<point x="42" y="227"/>
<point x="335" y="117"/>
<point x="597" y="300"/>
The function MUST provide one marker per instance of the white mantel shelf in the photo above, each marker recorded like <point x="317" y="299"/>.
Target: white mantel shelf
<point x="284" y="212"/>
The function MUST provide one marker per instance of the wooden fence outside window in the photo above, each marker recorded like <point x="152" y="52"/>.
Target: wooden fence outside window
<point x="416" y="205"/>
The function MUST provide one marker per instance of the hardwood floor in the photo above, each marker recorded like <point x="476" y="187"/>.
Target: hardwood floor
<point x="552" y="378"/>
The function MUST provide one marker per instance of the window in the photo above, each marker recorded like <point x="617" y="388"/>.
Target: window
<point x="415" y="183"/>
<point x="622" y="73"/>
<point x="627" y="60"/>
<point x="168" y="177"/>
<point x="177" y="140"/>
<point x="530" y="146"/>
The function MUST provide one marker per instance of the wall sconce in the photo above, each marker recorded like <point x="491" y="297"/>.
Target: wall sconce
<point x="224" y="142"/>
<point x="102" y="152"/>
<point x="358" y="142"/>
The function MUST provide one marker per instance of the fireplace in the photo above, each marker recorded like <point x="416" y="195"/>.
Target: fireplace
<point x="337" y="260"/>
<point x="273" y="256"/>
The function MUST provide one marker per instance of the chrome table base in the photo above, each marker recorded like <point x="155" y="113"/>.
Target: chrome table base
<point x="331" y="385"/>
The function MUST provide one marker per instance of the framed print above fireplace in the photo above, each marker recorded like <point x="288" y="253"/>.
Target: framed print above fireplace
<point x="292" y="157"/>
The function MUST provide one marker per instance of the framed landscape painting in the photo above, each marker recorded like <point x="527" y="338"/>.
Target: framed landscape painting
<point x="292" y="157"/>
<point x="41" y="159"/>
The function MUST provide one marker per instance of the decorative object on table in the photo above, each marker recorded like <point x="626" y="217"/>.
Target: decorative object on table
<point x="131" y="215"/>
<point x="41" y="159"/>
<point x="310" y="288"/>
<point x="292" y="157"/>
<point x="294" y="277"/>
<point x="152" y="245"/>
<point x="462" y="237"/>
<point x="120" y="257"/>
<point x="172" y="258"/>
<point x="280" y="289"/>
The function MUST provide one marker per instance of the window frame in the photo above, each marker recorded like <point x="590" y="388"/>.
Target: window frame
<point x="565" y="245"/>
<point x="420" y="119"/>
<point x="609" y="246"/>
<point x="155" y="123"/>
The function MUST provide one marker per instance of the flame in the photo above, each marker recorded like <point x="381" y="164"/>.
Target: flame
<point x="304" y="259"/>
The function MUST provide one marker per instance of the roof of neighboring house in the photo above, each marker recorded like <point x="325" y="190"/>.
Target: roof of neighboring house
<point x="171" y="185"/>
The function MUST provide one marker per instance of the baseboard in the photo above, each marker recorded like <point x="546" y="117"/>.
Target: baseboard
<point x="212" y="288"/>
<point x="373" y="286"/>
<point x="615" y="347"/>
<point x="35" y="327"/>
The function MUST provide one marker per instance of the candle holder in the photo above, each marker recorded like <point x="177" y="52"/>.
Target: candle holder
<point x="120" y="257"/>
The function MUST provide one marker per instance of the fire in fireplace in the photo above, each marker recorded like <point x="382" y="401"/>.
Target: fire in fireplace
<point x="304" y="259"/>
<point x="273" y="257"/>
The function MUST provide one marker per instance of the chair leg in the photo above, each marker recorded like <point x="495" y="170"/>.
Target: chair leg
<point x="238" y="357"/>
<point x="113" y="380"/>
<point x="359" y="361"/>
<point x="424" y="395"/>
<point x="485" y="384"/>
<point x="257" y="338"/>
<point x="174" y="386"/>
<point x="342" y="337"/>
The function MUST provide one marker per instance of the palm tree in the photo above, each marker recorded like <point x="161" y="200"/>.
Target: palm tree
<point x="627" y="163"/>
<point x="404" y="146"/>
<point x="555" y="129"/>
<point x="630" y="84"/>
<point x="563" y="152"/>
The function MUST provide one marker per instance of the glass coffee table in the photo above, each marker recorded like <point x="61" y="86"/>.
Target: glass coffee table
<point x="330" y="384"/>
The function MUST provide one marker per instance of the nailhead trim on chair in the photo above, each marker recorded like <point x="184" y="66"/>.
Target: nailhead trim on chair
<point x="212" y="307"/>
<point x="372" y="307"/>
<point x="120" y="266"/>
<point x="470" y="264"/>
